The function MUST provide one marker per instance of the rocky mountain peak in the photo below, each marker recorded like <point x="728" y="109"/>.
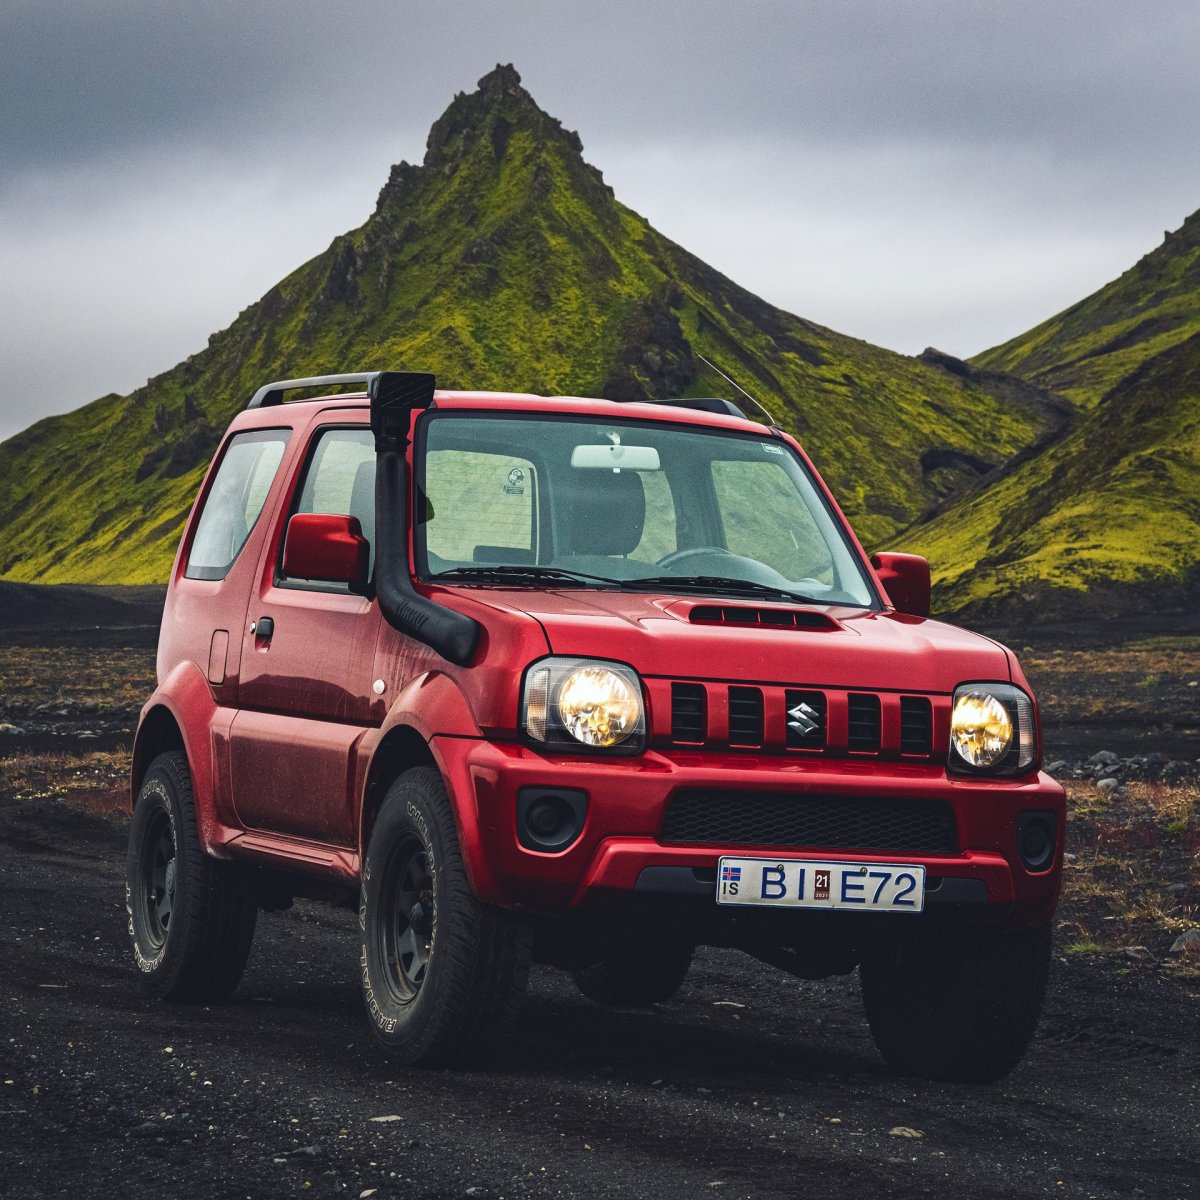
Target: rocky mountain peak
<point x="477" y="129"/>
<point x="495" y="111"/>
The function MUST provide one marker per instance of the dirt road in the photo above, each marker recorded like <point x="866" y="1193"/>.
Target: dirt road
<point x="748" y="1084"/>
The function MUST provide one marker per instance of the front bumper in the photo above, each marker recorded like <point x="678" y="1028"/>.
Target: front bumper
<point x="619" y="856"/>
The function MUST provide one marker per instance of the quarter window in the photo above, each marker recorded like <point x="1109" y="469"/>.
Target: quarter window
<point x="235" y="501"/>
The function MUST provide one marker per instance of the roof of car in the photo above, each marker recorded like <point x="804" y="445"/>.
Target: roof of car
<point x="690" y="411"/>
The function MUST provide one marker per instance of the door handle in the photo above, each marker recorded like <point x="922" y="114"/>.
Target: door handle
<point x="264" y="628"/>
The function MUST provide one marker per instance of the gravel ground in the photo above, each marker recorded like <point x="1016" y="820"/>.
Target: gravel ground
<point x="748" y="1084"/>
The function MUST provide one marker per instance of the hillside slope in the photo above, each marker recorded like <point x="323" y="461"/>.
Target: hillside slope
<point x="1106" y="518"/>
<point x="1087" y="350"/>
<point x="505" y="262"/>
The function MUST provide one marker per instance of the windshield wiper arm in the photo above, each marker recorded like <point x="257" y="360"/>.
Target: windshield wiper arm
<point x="514" y="574"/>
<point x="718" y="584"/>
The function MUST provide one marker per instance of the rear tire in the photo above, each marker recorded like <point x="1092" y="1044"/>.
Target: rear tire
<point x="962" y="1009"/>
<point x="191" y="917"/>
<point x="642" y="971"/>
<point x="443" y="973"/>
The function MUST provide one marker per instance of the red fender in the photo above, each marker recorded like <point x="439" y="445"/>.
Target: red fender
<point x="185" y="694"/>
<point x="433" y="706"/>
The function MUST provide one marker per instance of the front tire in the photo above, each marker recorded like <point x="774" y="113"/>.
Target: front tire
<point x="191" y="918"/>
<point x="443" y="973"/>
<point x="962" y="1009"/>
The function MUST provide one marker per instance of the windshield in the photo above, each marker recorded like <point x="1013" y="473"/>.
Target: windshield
<point x="555" y="501"/>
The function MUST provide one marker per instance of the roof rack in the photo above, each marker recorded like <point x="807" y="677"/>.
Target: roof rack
<point x="271" y="394"/>
<point x="709" y="404"/>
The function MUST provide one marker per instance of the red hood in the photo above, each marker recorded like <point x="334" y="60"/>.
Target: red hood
<point x="655" y="635"/>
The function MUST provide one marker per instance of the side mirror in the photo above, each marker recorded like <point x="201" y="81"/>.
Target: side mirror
<point x="905" y="578"/>
<point x="326" y="547"/>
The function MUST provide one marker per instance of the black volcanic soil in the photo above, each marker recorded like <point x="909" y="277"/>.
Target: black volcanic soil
<point x="747" y="1084"/>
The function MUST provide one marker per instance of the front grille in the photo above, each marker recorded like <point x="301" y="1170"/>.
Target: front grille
<point x="689" y="712"/>
<point x="865" y="724"/>
<point x="797" y="721"/>
<point x="739" y="818"/>
<point x="745" y="716"/>
<point x="916" y="725"/>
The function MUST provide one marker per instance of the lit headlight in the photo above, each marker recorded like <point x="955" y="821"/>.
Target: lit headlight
<point x="577" y="702"/>
<point x="991" y="729"/>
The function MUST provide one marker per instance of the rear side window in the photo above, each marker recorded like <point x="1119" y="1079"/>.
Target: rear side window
<point x="235" y="501"/>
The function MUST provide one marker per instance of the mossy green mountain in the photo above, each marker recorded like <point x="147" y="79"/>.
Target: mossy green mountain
<point x="1104" y="517"/>
<point x="1086" y="351"/>
<point x="503" y="261"/>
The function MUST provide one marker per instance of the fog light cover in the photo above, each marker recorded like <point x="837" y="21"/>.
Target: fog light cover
<point x="1036" y="840"/>
<point x="583" y="702"/>
<point x="550" y="819"/>
<point x="992" y="729"/>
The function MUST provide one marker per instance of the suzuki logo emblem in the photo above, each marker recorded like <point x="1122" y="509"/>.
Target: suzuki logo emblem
<point x="803" y="719"/>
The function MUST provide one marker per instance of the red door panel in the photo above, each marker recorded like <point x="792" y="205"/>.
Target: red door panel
<point x="305" y="696"/>
<point x="292" y="776"/>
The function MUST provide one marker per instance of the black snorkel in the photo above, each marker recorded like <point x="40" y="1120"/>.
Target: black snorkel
<point x="454" y="635"/>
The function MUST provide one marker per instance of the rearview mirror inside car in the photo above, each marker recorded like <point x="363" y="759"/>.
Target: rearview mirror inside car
<point x="614" y="458"/>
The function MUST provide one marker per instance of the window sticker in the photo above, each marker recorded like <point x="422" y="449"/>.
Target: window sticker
<point x="516" y="483"/>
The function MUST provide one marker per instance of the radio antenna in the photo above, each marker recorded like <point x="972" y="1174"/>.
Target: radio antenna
<point x="734" y="383"/>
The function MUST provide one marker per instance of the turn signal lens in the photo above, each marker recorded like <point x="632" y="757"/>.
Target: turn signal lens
<point x="981" y="730"/>
<point x="598" y="707"/>
<point x="536" y="691"/>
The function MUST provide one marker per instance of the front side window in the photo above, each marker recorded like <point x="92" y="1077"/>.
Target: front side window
<point x="641" y="506"/>
<point x="235" y="501"/>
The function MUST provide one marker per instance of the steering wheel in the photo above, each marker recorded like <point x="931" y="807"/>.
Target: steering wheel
<point x="678" y="556"/>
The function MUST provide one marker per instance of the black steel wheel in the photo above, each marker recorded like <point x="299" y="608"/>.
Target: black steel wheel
<point x="158" y="876"/>
<point x="406" y="932"/>
<point x="443" y="973"/>
<point x="190" y="918"/>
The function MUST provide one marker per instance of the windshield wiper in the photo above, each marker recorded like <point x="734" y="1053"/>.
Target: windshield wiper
<point x="718" y="585"/>
<point x="514" y="574"/>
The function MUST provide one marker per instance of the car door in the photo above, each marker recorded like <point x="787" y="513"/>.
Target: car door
<point x="307" y="663"/>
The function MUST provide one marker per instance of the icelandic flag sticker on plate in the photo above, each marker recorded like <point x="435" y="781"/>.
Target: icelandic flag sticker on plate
<point x="731" y="878"/>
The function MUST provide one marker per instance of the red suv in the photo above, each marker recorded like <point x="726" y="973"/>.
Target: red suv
<point x="585" y="683"/>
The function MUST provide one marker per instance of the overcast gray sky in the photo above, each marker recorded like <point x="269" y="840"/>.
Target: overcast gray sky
<point x="912" y="172"/>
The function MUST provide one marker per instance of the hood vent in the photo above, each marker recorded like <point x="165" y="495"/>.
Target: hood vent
<point x="766" y="618"/>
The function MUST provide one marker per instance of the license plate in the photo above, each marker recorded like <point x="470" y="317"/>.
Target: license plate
<point x="795" y="883"/>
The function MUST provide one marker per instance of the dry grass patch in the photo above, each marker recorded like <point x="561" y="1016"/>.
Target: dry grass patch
<point x="94" y="781"/>
<point x="1110" y="682"/>
<point x="95" y="678"/>
<point x="1135" y="880"/>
